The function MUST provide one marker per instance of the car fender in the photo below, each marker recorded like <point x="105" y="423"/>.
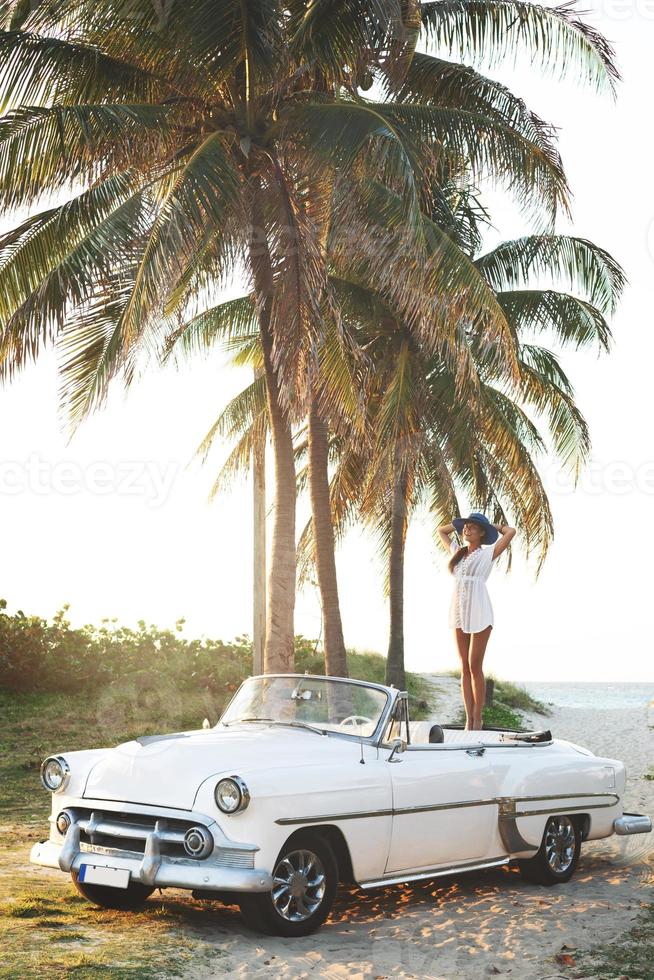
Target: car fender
<point x="355" y="798"/>
<point x="567" y="784"/>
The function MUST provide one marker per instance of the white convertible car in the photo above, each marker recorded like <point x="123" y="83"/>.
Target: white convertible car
<point x="307" y="781"/>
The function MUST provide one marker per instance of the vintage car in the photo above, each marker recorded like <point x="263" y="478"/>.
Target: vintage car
<point x="307" y="781"/>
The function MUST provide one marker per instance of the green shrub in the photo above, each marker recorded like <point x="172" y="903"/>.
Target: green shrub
<point x="518" y="697"/>
<point x="36" y="655"/>
<point x="130" y="671"/>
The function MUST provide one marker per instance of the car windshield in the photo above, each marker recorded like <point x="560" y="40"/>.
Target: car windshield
<point x="326" y="705"/>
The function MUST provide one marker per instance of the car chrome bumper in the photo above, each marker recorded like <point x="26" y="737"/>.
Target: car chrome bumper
<point x="154" y="869"/>
<point x="632" y="823"/>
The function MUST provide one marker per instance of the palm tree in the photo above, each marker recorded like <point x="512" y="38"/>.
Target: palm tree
<point x="425" y="442"/>
<point x="195" y="141"/>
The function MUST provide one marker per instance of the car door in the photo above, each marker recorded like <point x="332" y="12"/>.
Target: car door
<point x="444" y="807"/>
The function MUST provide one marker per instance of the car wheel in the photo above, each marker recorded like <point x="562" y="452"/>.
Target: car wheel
<point x="128" y="899"/>
<point x="558" y="854"/>
<point x="305" y="879"/>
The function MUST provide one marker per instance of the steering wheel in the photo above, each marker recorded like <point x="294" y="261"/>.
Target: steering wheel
<point x="356" y="720"/>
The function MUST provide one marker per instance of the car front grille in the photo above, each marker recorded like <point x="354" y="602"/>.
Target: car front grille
<point x="128" y="832"/>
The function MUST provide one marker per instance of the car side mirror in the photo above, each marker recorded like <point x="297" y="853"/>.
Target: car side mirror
<point x="398" y="747"/>
<point x="206" y="724"/>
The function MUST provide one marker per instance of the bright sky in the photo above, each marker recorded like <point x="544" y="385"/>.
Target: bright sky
<point x="117" y="524"/>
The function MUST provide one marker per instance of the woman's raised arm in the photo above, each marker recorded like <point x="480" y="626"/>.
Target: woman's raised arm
<point x="506" y="534"/>
<point x="445" y="532"/>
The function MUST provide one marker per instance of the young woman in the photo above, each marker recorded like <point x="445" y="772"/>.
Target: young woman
<point x="471" y="613"/>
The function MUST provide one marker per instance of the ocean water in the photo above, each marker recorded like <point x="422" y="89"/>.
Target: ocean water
<point x="591" y="694"/>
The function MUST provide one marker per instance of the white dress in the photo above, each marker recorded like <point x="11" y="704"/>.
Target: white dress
<point x="470" y="609"/>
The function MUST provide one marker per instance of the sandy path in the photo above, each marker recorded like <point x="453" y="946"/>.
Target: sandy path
<point x="483" y="923"/>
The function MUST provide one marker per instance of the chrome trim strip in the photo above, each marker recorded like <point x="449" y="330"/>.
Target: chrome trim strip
<point x="136" y="806"/>
<point x="403" y="810"/>
<point x="500" y="800"/>
<point x="559" y="796"/>
<point x="396" y="879"/>
<point x="564" y="809"/>
<point x="442" y="747"/>
<point x="326" y="677"/>
<point x="358" y="814"/>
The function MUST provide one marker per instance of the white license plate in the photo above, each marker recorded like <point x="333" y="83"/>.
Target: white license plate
<point x="94" y="874"/>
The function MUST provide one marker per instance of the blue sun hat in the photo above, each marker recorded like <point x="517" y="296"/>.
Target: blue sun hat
<point x="491" y="533"/>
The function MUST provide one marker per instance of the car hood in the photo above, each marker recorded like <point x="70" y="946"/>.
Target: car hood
<point x="167" y="770"/>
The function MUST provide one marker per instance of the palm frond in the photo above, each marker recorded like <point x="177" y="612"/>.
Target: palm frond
<point x="199" y="42"/>
<point x="55" y="261"/>
<point x="343" y="133"/>
<point x="336" y="34"/>
<point x="433" y="81"/>
<point x="436" y="295"/>
<point x="301" y="282"/>
<point x="572" y="321"/>
<point x="529" y="168"/>
<point x="546" y="388"/>
<point x="576" y="261"/>
<point x="494" y="29"/>
<point x="49" y="71"/>
<point x="46" y="150"/>
<point x="238" y="416"/>
<point x="239" y="460"/>
<point x="233" y="319"/>
<point x="89" y="352"/>
<point x="206" y="186"/>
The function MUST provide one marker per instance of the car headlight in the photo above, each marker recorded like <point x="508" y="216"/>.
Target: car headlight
<point x="55" y="772"/>
<point x="231" y="794"/>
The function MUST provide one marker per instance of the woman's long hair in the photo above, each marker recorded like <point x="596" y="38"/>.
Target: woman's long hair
<point x="461" y="553"/>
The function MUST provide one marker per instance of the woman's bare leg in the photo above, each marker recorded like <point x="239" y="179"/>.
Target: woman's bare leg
<point x="462" y="645"/>
<point x="478" y="644"/>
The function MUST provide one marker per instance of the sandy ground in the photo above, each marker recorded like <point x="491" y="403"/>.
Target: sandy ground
<point x="482" y="923"/>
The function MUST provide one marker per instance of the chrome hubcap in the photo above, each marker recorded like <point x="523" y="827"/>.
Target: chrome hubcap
<point x="298" y="885"/>
<point x="559" y="843"/>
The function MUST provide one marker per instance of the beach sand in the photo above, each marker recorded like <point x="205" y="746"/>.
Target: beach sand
<point x="480" y="924"/>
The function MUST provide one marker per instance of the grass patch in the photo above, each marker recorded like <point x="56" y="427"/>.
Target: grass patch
<point x="510" y="695"/>
<point x="499" y="715"/>
<point x="43" y="927"/>
<point x="496" y="716"/>
<point x="515" y="696"/>
<point x="630" y="956"/>
<point x="27" y="907"/>
<point x="509" y="701"/>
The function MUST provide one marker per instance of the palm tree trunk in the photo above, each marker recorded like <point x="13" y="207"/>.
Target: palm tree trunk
<point x="395" y="673"/>
<point x="258" y="554"/>
<point x="324" y="548"/>
<point x="279" y="652"/>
